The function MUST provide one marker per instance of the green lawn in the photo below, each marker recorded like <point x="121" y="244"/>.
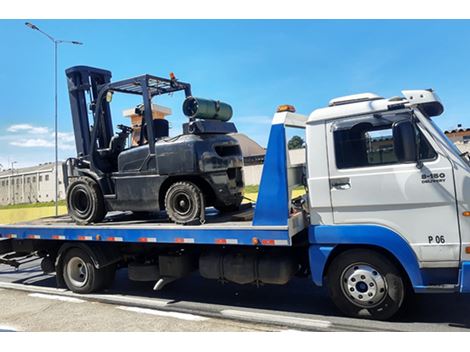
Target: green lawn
<point x="31" y="205"/>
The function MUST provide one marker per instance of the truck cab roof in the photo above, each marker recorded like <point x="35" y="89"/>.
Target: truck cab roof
<point x="370" y="103"/>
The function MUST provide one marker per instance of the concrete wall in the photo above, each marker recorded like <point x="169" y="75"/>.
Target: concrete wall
<point x="464" y="147"/>
<point x="253" y="173"/>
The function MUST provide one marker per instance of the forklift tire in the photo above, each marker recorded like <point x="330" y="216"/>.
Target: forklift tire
<point x="80" y="274"/>
<point x="363" y="283"/>
<point x="183" y="202"/>
<point x="85" y="202"/>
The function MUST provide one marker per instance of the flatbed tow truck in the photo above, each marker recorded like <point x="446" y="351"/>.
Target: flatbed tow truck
<point x="386" y="213"/>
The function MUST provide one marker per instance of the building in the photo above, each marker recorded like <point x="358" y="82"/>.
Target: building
<point x="30" y="184"/>
<point x="253" y="158"/>
<point x="461" y="137"/>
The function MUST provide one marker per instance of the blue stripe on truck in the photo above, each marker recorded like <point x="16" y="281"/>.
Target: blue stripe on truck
<point x="323" y="239"/>
<point x="465" y="278"/>
<point x="173" y="235"/>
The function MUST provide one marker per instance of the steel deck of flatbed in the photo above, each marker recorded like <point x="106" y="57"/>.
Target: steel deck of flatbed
<point x="125" y="227"/>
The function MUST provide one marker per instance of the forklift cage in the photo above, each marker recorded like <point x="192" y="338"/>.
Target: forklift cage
<point x="83" y="80"/>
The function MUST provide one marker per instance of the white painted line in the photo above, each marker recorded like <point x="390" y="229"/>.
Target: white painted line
<point x="4" y="328"/>
<point x="292" y="331"/>
<point x="108" y="298"/>
<point x="176" y="315"/>
<point x="276" y="319"/>
<point x="21" y="287"/>
<point x="116" y="299"/>
<point x="56" y="298"/>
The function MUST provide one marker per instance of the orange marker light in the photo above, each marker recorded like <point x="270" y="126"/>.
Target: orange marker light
<point x="466" y="213"/>
<point x="255" y="241"/>
<point x="467" y="250"/>
<point x="283" y="108"/>
<point x="172" y="76"/>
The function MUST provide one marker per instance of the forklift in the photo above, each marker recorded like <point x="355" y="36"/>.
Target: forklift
<point x="182" y="175"/>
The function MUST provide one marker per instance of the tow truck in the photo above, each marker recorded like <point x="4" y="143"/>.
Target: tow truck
<point x="386" y="213"/>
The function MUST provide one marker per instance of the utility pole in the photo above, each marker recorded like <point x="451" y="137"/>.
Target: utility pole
<point x="56" y="42"/>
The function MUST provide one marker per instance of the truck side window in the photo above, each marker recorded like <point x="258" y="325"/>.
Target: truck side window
<point x="369" y="142"/>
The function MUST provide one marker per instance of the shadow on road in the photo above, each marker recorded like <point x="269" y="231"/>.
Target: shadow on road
<point x="299" y="296"/>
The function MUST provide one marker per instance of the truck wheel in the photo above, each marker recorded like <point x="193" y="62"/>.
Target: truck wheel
<point x="183" y="202"/>
<point x="85" y="202"/>
<point x="80" y="275"/>
<point x="365" y="284"/>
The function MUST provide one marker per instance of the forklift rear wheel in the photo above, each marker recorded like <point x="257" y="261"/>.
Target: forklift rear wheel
<point x="80" y="274"/>
<point x="85" y="202"/>
<point x="365" y="284"/>
<point x="183" y="202"/>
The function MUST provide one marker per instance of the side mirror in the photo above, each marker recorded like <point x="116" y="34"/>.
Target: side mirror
<point x="404" y="140"/>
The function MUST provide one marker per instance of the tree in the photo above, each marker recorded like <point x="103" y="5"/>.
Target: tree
<point x="295" y="142"/>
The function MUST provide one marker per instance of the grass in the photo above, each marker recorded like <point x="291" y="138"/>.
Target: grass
<point x="30" y="205"/>
<point x="15" y="213"/>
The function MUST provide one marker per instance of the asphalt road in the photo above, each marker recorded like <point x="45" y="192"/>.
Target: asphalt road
<point x="299" y="305"/>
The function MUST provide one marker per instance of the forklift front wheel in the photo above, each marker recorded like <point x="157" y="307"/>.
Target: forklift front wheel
<point x="183" y="202"/>
<point x="85" y="202"/>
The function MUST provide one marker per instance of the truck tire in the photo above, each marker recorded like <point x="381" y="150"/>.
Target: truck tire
<point x="80" y="274"/>
<point x="365" y="284"/>
<point x="183" y="202"/>
<point x="85" y="202"/>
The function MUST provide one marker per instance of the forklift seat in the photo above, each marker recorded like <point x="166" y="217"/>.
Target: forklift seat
<point x="161" y="129"/>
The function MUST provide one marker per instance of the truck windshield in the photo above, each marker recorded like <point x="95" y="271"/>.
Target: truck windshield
<point x="450" y="144"/>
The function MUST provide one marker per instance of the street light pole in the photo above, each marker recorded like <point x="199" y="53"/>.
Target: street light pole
<point x="56" y="43"/>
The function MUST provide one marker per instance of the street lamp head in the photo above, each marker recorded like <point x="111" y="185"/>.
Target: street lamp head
<point x="76" y="43"/>
<point x="32" y="26"/>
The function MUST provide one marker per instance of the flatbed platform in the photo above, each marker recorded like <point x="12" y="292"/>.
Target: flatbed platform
<point x="232" y="228"/>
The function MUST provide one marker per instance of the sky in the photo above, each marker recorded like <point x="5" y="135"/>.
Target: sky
<point x="254" y="65"/>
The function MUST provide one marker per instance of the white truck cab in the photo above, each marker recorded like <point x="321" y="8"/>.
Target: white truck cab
<point x="381" y="173"/>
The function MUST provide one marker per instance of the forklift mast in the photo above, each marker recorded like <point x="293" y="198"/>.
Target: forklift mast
<point x="83" y="81"/>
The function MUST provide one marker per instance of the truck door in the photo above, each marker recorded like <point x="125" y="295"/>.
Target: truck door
<point x="369" y="186"/>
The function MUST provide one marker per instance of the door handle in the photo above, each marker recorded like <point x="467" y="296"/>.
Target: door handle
<point x="341" y="183"/>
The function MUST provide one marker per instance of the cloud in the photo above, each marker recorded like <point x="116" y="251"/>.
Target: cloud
<point x="28" y="128"/>
<point x="30" y="143"/>
<point x="65" y="140"/>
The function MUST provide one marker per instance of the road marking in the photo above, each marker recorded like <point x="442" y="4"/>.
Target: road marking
<point x="107" y="298"/>
<point x="276" y="319"/>
<point x="22" y="287"/>
<point x="291" y="331"/>
<point x="56" y="298"/>
<point x="4" y="328"/>
<point x="176" y="315"/>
